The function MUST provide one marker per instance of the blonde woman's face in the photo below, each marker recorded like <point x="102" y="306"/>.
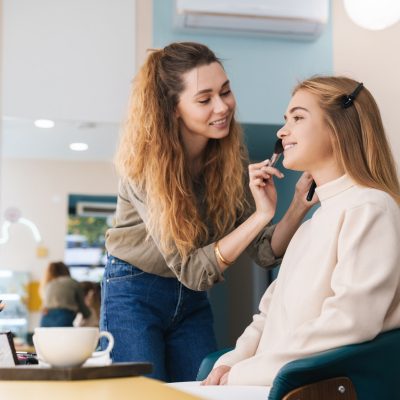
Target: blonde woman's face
<point x="206" y="106"/>
<point x="306" y="139"/>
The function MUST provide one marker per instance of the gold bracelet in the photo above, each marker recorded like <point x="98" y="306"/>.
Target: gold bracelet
<point x="219" y="255"/>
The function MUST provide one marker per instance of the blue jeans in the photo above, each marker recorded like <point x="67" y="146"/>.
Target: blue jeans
<point x="157" y="320"/>
<point x="56" y="317"/>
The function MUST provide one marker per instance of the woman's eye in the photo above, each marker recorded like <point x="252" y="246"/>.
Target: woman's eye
<point x="228" y="92"/>
<point x="205" y="101"/>
<point x="297" y="118"/>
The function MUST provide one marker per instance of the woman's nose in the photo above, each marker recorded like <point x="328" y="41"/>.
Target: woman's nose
<point x="220" y="106"/>
<point x="281" y="132"/>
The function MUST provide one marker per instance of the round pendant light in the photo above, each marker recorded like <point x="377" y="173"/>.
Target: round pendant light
<point x="373" y="14"/>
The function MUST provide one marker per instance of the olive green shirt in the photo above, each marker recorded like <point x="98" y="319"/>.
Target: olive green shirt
<point x="65" y="292"/>
<point x="128" y="240"/>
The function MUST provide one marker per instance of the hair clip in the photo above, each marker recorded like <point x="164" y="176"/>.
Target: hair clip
<point x="347" y="100"/>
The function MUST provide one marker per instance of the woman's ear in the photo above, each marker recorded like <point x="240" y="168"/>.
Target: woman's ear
<point x="177" y="113"/>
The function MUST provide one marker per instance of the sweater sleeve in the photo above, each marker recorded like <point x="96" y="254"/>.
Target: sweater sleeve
<point x="247" y="343"/>
<point x="259" y="249"/>
<point x="364" y="286"/>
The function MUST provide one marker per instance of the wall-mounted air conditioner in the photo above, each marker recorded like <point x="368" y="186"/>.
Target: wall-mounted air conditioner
<point x="303" y="19"/>
<point x="95" y="209"/>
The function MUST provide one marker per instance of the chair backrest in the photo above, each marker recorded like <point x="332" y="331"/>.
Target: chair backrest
<point x="373" y="367"/>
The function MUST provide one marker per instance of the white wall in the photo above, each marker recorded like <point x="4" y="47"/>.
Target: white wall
<point x="144" y="30"/>
<point x="40" y="189"/>
<point x="68" y="59"/>
<point x="372" y="57"/>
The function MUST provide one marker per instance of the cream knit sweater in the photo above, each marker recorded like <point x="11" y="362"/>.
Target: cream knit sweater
<point x="339" y="283"/>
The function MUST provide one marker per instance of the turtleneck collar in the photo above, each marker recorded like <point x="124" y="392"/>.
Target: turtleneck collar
<point x="334" y="187"/>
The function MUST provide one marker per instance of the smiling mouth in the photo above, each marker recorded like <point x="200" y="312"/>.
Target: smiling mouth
<point x="288" y="146"/>
<point x="219" y="122"/>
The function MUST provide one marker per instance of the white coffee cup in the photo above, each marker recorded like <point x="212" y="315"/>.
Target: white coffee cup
<point x="69" y="346"/>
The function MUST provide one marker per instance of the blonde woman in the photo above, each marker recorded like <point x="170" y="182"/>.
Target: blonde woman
<point x="339" y="282"/>
<point x="184" y="211"/>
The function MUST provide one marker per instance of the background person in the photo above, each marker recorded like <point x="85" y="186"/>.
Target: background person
<point x="62" y="297"/>
<point x="92" y="297"/>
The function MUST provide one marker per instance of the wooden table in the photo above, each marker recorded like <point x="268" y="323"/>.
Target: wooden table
<point x="97" y="389"/>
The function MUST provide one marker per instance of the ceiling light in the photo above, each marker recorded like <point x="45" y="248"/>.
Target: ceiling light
<point x="373" y="14"/>
<point x="44" y="123"/>
<point x="78" y="146"/>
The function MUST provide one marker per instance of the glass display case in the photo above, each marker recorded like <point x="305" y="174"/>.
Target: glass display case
<point x="14" y="294"/>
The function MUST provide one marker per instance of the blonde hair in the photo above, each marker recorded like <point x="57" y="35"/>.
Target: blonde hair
<point x="151" y="155"/>
<point x="358" y="136"/>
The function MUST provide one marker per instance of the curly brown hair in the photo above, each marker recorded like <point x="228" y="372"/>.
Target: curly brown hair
<point x="152" y="158"/>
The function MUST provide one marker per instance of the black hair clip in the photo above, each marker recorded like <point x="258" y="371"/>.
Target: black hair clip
<point x="347" y="100"/>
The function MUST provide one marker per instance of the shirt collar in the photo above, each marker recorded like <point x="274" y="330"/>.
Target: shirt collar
<point x="334" y="187"/>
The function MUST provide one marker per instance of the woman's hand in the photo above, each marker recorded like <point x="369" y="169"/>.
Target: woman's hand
<point x="301" y="191"/>
<point x="224" y="379"/>
<point x="263" y="188"/>
<point x="218" y="376"/>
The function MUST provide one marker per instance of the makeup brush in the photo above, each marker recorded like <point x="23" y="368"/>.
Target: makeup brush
<point x="278" y="150"/>
<point x="311" y="191"/>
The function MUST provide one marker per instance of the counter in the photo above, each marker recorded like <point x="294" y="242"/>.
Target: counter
<point x="99" y="389"/>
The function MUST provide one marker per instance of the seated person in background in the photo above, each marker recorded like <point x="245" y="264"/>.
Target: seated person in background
<point x="62" y="297"/>
<point x="91" y="293"/>
<point x="339" y="282"/>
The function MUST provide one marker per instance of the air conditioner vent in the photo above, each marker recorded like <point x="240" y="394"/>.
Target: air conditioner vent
<point x="283" y="18"/>
<point x="95" y="209"/>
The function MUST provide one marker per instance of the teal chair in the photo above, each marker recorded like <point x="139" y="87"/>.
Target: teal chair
<point x="364" y="371"/>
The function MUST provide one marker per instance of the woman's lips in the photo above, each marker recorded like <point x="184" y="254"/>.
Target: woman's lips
<point x="221" y="123"/>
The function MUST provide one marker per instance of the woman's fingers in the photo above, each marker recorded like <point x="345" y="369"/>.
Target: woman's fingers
<point x="259" y="164"/>
<point x="258" y="182"/>
<point x="302" y="188"/>
<point x="215" y="375"/>
<point x="261" y="171"/>
<point x="224" y="379"/>
<point x="263" y="166"/>
<point x="212" y="378"/>
<point x="304" y="181"/>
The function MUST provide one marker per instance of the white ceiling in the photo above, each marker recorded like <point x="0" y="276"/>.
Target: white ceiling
<point x="21" y="139"/>
<point x="71" y="61"/>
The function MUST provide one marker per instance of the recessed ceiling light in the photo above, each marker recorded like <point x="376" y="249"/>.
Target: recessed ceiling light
<point x="78" y="146"/>
<point x="44" y="123"/>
